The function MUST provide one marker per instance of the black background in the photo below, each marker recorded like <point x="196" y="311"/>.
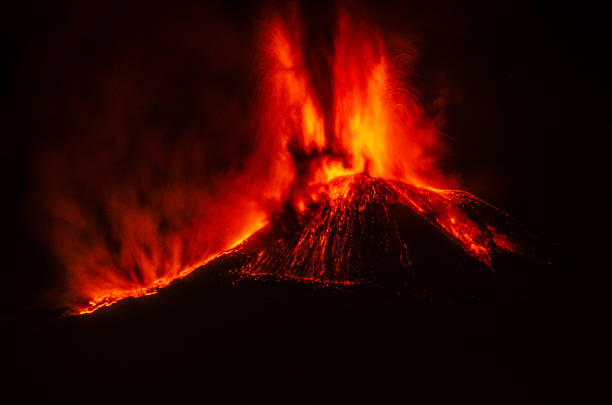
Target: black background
<point x="527" y="95"/>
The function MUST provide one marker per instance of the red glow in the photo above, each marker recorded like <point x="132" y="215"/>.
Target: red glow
<point x="335" y="244"/>
<point x="376" y="124"/>
<point x="104" y="300"/>
<point x="372" y="122"/>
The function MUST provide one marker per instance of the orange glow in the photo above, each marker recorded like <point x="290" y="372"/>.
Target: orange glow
<point x="372" y="122"/>
<point x="376" y="124"/>
<point x="112" y="297"/>
<point x="333" y="247"/>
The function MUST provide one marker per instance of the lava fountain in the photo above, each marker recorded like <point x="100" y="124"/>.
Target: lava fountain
<point x="343" y="156"/>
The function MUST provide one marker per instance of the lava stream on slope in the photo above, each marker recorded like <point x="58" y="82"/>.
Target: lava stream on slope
<point x="359" y="229"/>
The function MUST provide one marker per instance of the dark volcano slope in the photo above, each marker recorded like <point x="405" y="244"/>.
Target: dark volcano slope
<point x="246" y="328"/>
<point x="367" y="231"/>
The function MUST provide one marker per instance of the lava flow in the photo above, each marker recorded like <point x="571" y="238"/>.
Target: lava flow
<point x="359" y="229"/>
<point x="344" y="154"/>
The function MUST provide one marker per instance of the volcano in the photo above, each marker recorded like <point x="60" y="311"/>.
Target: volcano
<point x="363" y="230"/>
<point x="342" y="185"/>
<point x="254" y="205"/>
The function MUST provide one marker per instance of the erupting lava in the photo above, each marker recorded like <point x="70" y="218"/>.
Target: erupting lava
<point x="343" y="139"/>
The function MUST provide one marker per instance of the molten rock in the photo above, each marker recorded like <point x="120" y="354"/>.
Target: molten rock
<point x="358" y="229"/>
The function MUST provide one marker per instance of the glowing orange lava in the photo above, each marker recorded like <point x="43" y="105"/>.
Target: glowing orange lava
<point x="110" y="298"/>
<point x="371" y="122"/>
<point x="355" y="232"/>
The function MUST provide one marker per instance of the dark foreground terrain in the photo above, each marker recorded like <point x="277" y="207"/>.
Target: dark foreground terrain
<point x="211" y="338"/>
